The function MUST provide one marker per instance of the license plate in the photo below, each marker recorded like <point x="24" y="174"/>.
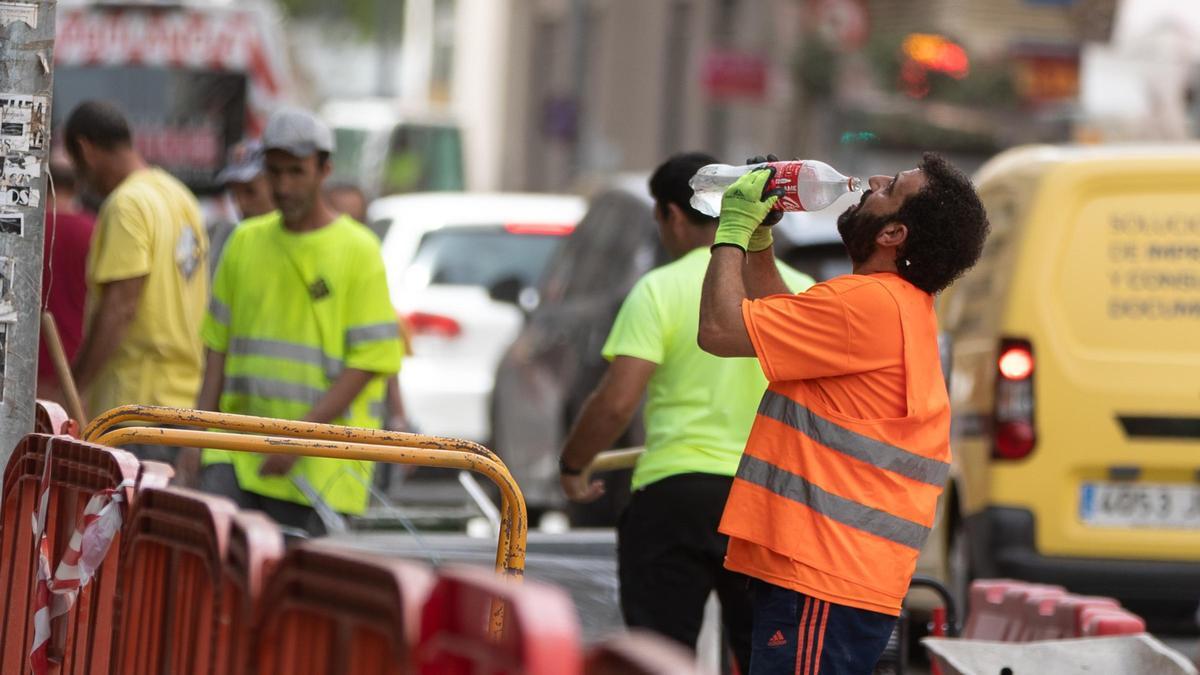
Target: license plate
<point x="1140" y="505"/>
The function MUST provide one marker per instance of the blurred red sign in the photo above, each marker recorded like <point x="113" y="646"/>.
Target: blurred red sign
<point x="1046" y="75"/>
<point x="729" y="75"/>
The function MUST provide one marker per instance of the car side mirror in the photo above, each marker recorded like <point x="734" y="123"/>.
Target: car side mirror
<point x="507" y="290"/>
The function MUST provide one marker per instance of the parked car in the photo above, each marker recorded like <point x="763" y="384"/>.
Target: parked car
<point x="555" y="363"/>
<point x="447" y="255"/>
<point x="1075" y="352"/>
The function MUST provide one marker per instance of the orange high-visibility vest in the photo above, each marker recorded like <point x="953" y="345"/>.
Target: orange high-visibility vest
<point x="823" y="502"/>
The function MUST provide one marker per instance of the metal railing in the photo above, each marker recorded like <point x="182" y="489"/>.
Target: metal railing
<point x="308" y="439"/>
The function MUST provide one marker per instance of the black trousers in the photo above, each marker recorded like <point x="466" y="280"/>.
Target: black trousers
<point x="221" y="479"/>
<point x="670" y="558"/>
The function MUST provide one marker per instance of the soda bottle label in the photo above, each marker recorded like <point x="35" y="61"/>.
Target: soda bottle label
<point x="787" y="176"/>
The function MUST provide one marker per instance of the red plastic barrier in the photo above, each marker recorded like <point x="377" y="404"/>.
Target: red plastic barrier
<point x="640" y="653"/>
<point x="540" y="633"/>
<point x="154" y="475"/>
<point x="1098" y="621"/>
<point x="255" y="549"/>
<point x="986" y="619"/>
<point x="51" y="418"/>
<point x="1038" y="622"/>
<point x="170" y="606"/>
<point x="81" y="639"/>
<point x="1068" y="611"/>
<point x="329" y="610"/>
<point x="1014" y="607"/>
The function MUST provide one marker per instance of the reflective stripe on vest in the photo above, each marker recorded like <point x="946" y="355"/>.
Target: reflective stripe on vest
<point x="219" y="311"/>
<point x="291" y="351"/>
<point x="845" y="511"/>
<point x="262" y="387"/>
<point x="853" y="444"/>
<point x="377" y="331"/>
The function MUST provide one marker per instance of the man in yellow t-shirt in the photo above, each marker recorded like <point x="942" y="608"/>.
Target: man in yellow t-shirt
<point x="147" y="275"/>
<point x="699" y="410"/>
<point x="300" y="327"/>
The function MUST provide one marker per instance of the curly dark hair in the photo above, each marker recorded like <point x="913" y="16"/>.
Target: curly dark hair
<point x="947" y="227"/>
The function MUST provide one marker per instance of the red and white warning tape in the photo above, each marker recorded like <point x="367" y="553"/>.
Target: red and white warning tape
<point x="94" y="534"/>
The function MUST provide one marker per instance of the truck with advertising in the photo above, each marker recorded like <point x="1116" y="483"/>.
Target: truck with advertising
<point x="193" y="76"/>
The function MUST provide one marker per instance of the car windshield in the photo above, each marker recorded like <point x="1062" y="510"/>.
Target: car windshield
<point x="485" y="255"/>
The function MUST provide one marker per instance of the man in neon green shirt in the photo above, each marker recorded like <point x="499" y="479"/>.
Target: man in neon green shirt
<point x="300" y="326"/>
<point x="699" y="410"/>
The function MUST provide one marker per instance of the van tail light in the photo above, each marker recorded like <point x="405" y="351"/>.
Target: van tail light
<point x="433" y="325"/>
<point x="1014" y="434"/>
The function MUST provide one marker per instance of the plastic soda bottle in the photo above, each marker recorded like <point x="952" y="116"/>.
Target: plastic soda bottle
<point x="808" y="185"/>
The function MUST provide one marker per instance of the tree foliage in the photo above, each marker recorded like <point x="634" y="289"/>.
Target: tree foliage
<point x="366" y="15"/>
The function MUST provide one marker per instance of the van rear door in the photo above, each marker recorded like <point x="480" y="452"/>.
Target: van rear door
<point x="1110" y="274"/>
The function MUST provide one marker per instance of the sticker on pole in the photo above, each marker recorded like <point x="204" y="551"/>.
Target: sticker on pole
<point x="21" y="169"/>
<point x="12" y="223"/>
<point x="22" y="122"/>
<point x="8" y="300"/>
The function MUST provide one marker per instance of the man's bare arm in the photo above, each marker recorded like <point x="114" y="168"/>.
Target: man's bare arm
<point x="604" y="417"/>
<point x="187" y="463"/>
<point x="722" y="329"/>
<point x="761" y="275"/>
<point x="116" y="309"/>
<point x="209" y="397"/>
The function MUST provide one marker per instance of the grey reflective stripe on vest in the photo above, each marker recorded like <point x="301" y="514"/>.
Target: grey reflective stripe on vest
<point x="248" y="385"/>
<point x="876" y="453"/>
<point x="291" y="351"/>
<point x="377" y="331"/>
<point x="377" y="409"/>
<point x="845" y="511"/>
<point x="219" y="311"/>
<point x="261" y="387"/>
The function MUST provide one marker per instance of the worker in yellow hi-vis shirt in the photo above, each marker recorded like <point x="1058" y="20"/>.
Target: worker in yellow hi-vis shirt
<point x="300" y="326"/>
<point x="146" y="274"/>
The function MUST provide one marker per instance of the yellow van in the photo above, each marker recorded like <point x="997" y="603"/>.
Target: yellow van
<point x="1074" y="353"/>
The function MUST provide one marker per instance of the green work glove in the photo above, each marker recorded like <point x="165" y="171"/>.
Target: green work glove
<point x="745" y="204"/>
<point x="761" y="240"/>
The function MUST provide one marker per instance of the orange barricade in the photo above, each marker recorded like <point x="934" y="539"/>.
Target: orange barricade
<point x="1068" y="611"/>
<point x="1100" y="621"/>
<point x="51" y="418"/>
<point x="540" y="633"/>
<point x="79" y="641"/>
<point x="1038" y="621"/>
<point x="330" y="610"/>
<point x="154" y="475"/>
<point x="254" y="550"/>
<point x="986" y="620"/>
<point x="176" y="541"/>
<point x="640" y="653"/>
<point x="1014" y="605"/>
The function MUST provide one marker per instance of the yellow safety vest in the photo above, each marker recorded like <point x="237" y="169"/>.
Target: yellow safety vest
<point x="291" y="312"/>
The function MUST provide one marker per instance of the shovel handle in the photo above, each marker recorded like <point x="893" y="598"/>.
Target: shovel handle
<point x="62" y="368"/>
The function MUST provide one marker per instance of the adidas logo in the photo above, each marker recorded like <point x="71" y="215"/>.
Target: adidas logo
<point x="777" y="640"/>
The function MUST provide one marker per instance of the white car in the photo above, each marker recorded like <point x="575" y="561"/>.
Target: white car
<point x="458" y="266"/>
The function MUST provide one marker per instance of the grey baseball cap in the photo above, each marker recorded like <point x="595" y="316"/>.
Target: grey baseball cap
<point x="244" y="163"/>
<point x="297" y="132"/>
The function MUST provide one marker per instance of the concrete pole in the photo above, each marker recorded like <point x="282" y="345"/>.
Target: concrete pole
<point x="26" y="78"/>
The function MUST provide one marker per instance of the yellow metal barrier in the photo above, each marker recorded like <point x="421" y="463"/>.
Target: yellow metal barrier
<point x="273" y="427"/>
<point x="322" y="440"/>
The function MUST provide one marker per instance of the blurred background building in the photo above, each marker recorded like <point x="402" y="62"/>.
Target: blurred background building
<point x="558" y="94"/>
